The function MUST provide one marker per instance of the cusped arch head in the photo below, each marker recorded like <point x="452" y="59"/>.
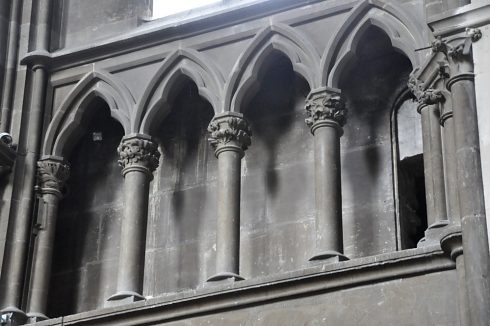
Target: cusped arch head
<point x="404" y="34"/>
<point x="304" y="58"/>
<point x="68" y="120"/>
<point x="181" y="64"/>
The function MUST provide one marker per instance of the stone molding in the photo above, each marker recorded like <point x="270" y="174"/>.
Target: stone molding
<point x="398" y="25"/>
<point x="325" y="106"/>
<point x="52" y="174"/>
<point x="67" y="120"/>
<point x="229" y="131"/>
<point x="321" y="278"/>
<point x="187" y="62"/>
<point x="138" y="152"/>
<point x="293" y="44"/>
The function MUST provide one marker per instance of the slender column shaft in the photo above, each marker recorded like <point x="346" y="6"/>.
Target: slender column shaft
<point x="228" y="224"/>
<point x="433" y="166"/>
<point x="41" y="265"/>
<point x="452" y="199"/>
<point x="11" y="66"/>
<point x="17" y="242"/>
<point x="451" y="242"/>
<point x="133" y="231"/>
<point x="52" y="174"/>
<point x="230" y="137"/>
<point x="328" y="189"/>
<point x="139" y="158"/>
<point x="464" y="312"/>
<point x="326" y="116"/>
<point x="4" y="20"/>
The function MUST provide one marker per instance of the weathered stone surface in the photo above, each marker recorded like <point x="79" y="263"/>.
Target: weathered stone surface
<point x="169" y="81"/>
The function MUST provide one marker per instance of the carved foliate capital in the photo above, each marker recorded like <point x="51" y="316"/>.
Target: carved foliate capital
<point x="52" y="174"/>
<point x="229" y="129"/>
<point x="138" y="151"/>
<point x="325" y="105"/>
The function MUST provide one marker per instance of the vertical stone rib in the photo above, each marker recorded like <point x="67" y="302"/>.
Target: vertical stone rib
<point x="435" y="189"/>
<point x="16" y="247"/>
<point x="469" y="176"/>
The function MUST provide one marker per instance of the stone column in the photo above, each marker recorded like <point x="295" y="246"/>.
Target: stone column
<point x="14" y="264"/>
<point x="138" y="159"/>
<point x="451" y="243"/>
<point x="450" y="172"/>
<point x="435" y="193"/>
<point x="326" y="117"/>
<point x="230" y="137"/>
<point x="470" y="185"/>
<point x="52" y="174"/>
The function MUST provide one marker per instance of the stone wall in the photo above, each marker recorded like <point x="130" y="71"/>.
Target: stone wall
<point x="168" y="83"/>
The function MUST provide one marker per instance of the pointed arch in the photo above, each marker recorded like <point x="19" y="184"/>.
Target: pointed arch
<point x="404" y="34"/>
<point x="68" y="120"/>
<point x="183" y="63"/>
<point x="304" y="58"/>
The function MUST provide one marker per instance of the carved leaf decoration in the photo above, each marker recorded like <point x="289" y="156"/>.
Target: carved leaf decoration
<point x="138" y="151"/>
<point x="52" y="174"/>
<point x="326" y="107"/>
<point x="231" y="129"/>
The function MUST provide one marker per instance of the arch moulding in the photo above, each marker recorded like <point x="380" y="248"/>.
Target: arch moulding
<point x="304" y="58"/>
<point x="68" y="119"/>
<point x="182" y="63"/>
<point x="404" y="35"/>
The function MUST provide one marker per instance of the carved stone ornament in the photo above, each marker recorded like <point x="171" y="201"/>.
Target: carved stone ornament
<point x="327" y="106"/>
<point x="232" y="129"/>
<point x="138" y="151"/>
<point x="427" y="96"/>
<point x="431" y="96"/>
<point x="415" y="86"/>
<point x="52" y="174"/>
<point x="458" y="47"/>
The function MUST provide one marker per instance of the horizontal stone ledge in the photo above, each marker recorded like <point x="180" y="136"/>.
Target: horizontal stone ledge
<point x="320" y="278"/>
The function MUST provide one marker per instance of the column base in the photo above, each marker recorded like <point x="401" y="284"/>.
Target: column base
<point x="432" y="236"/>
<point x="124" y="297"/>
<point x="452" y="241"/>
<point x="225" y="276"/>
<point x="328" y="256"/>
<point x="35" y="317"/>
<point x="12" y="316"/>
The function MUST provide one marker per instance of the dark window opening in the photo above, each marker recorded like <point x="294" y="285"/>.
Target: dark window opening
<point x="412" y="204"/>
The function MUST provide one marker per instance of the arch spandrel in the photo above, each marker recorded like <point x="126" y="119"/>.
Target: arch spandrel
<point x="68" y="117"/>
<point x="278" y="37"/>
<point x="405" y="36"/>
<point x="183" y="63"/>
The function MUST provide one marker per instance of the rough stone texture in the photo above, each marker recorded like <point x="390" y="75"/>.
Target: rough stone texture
<point x="367" y="168"/>
<point x="181" y="227"/>
<point x="87" y="237"/>
<point x="277" y="220"/>
<point x="377" y="304"/>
